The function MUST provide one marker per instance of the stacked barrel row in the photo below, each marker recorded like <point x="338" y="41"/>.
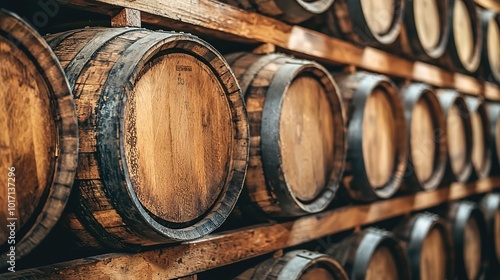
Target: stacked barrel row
<point x="455" y="34"/>
<point x="462" y="242"/>
<point x="150" y="137"/>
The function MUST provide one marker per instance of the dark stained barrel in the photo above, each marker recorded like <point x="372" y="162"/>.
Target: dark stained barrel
<point x="376" y="158"/>
<point x="426" y="29"/>
<point x="469" y="237"/>
<point x="298" y="139"/>
<point x="296" y="265"/>
<point x="490" y="206"/>
<point x="38" y="141"/>
<point x="426" y="128"/>
<point x="366" y="22"/>
<point x="465" y="38"/>
<point x="494" y="117"/>
<point x="459" y="135"/>
<point x="292" y="11"/>
<point x="371" y="254"/>
<point x="426" y="242"/>
<point x="164" y="136"/>
<point x="490" y="23"/>
<point x="481" y="137"/>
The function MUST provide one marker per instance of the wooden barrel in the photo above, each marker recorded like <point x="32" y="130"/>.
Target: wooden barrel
<point x="469" y="238"/>
<point x="371" y="254"/>
<point x="490" y="23"/>
<point x="425" y="240"/>
<point x="459" y="135"/>
<point x="296" y="265"/>
<point x="365" y="22"/>
<point x="376" y="158"/>
<point x="163" y="132"/>
<point x="426" y="30"/>
<point x="494" y="117"/>
<point x="38" y="142"/>
<point x="465" y="38"/>
<point x="298" y="139"/>
<point x="490" y="206"/>
<point x="426" y="128"/>
<point x="292" y="11"/>
<point x="481" y="137"/>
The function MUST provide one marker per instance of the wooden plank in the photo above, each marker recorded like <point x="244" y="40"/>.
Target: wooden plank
<point x="210" y="17"/>
<point x="126" y="18"/>
<point x="230" y="247"/>
<point x="489" y="4"/>
<point x="491" y="92"/>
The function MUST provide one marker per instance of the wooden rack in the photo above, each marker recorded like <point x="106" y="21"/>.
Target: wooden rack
<point x="226" y="248"/>
<point x="216" y="19"/>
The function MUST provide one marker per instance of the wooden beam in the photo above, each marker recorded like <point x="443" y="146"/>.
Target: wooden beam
<point x="126" y="18"/>
<point x="230" y="247"/>
<point x="489" y="4"/>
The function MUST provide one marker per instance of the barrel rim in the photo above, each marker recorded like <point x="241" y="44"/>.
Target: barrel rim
<point x="25" y="36"/>
<point x="367" y="84"/>
<point x="302" y="260"/>
<point x="270" y="143"/>
<point x="485" y="17"/>
<point x="111" y="144"/>
<point x="449" y="98"/>
<point x="478" y="105"/>
<point x="372" y="239"/>
<point x="357" y="17"/>
<point x="411" y="27"/>
<point x="298" y="11"/>
<point x="412" y="94"/>
<point x="474" y="61"/>
<point x="465" y="210"/>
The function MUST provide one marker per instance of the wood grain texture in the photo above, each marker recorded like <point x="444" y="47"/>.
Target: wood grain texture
<point x="298" y="143"/>
<point x="422" y="130"/>
<point x="236" y="25"/>
<point x="219" y="249"/>
<point x="164" y="136"/>
<point x="39" y="141"/>
<point x="382" y="266"/>
<point x="434" y="258"/>
<point x="126" y="18"/>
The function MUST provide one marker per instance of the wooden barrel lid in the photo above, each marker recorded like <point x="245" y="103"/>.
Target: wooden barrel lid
<point x="307" y="137"/>
<point x="379" y="15"/>
<point x="38" y="142"/>
<point x="478" y="138"/>
<point x="463" y="31"/>
<point x="493" y="41"/>
<point x="382" y="265"/>
<point x="422" y="139"/>
<point x="179" y="155"/>
<point x="379" y="138"/>
<point x="428" y="23"/>
<point x="456" y="139"/>
<point x="317" y="273"/>
<point x="472" y="248"/>
<point x="433" y="259"/>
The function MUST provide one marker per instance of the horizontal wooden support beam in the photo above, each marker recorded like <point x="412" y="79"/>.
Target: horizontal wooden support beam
<point x="226" y="22"/>
<point x="230" y="247"/>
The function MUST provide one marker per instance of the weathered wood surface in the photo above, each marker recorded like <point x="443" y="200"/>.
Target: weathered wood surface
<point x="211" y="17"/>
<point x="220" y="249"/>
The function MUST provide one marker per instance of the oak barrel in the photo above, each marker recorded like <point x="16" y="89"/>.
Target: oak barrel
<point x="490" y="206"/>
<point x="426" y="128"/>
<point x="371" y="254"/>
<point x="469" y="238"/>
<point x="292" y="11"/>
<point x="481" y="137"/>
<point x="164" y="136"/>
<point x="38" y="141"/>
<point x="459" y="135"/>
<point x="376" y="158"/>
<point x="425" y="238"/>
<point x="425" y="31"/>
<point x="296" y="265"/>
<point x="494" y="117"/>
<point x="365" y="22"/>
<point x="298" y="139"/>
<point x="465" y="38"/>
<point x="490" y="24"/>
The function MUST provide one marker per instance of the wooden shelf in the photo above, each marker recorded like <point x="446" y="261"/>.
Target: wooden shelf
<point x="489" y="4"/>
<point x="229" y="247"/>
<point x="226" y="22"/>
